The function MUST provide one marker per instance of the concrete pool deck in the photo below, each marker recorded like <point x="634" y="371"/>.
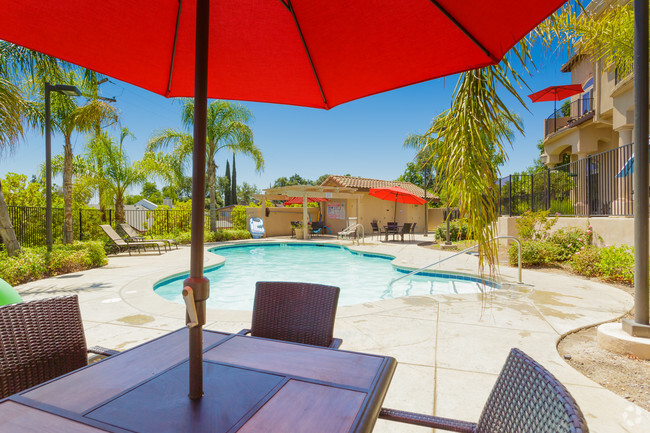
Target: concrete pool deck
<point x="449" y="348"/>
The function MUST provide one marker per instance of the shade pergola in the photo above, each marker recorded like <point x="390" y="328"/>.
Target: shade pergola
<point x="306" y="191"/>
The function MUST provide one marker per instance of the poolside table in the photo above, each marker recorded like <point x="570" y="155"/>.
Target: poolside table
<point x="250" y="384"/>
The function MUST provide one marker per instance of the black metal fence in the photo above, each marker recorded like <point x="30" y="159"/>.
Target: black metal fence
<point x="569" y="114"/>
<point x="29" y="223"/>
<point x="598" y="185"/>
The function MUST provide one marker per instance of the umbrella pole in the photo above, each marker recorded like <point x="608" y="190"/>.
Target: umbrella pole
<point x="640" y="326"/>
<point x="199" y="285"/>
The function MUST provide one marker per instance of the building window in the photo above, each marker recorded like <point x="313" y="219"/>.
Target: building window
<point x="587" y="97"/>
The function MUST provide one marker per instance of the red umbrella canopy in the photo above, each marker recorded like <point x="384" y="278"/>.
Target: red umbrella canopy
<point x="396" y="194"/>
<point x="298" y="52"/>
<point x="298" y="200"/>
<point x="556" y="93"/>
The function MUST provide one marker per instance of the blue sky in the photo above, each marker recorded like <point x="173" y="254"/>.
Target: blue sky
<point x="363" y="138"/>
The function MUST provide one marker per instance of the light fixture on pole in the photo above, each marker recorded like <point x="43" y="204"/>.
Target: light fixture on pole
<point x="67" y="90"/>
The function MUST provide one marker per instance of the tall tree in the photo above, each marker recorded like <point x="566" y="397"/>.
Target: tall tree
<point x="233" y="183"/>
<point x="227" y="128"/>
<point x="118" y="172"/>
<point x="227" y="201"/>
<point x="10" y="131"/>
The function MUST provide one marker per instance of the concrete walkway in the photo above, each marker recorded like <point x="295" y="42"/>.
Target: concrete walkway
<point x="450" y="348"/>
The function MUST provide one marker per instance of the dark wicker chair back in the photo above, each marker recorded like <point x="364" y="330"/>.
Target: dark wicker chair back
<point x="525" y="399"/>
<point x="528" y="399"/>
<point x="39" y="340"/>
<point x="297" y="312"/>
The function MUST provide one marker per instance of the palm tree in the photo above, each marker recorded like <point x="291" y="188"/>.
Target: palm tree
<point x="607" y="37"/>
<point x="10" y="131"/>
<point x="227" y="128"/>
<point x="117" y="172"/>
<point x="469" y="137"/>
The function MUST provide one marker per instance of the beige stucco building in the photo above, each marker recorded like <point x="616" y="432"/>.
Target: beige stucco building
<point x="348" y="203"/>
<point x="590" y="143"/>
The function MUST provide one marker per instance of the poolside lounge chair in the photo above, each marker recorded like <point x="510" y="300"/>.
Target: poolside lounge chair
<point x="348" y="232"/>
<point x="525" y="399"/>
<point x="123" y="245"/>
<point x="41" y="340"/>
<point x="133" y="235"/>
<point x="297" y="312"/>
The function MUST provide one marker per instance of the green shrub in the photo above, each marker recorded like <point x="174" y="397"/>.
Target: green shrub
<point x="535" y="225"/>
<point x="36" y="263"/>
<point x="617" y="264"/>
<point x="586" y="262"/>
<point x="238" y="218"/>
<point x="533" y="253"/>
<point x="457" y="230"/>
<point x="569" y="241"/>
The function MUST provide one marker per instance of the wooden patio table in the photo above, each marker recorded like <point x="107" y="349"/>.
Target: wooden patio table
<point x="251" y="385"/>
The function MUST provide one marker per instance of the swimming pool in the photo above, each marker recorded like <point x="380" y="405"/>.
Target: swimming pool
<point x="362" y="277"/>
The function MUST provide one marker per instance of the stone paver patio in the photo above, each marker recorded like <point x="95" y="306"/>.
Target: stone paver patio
<point x="450" y="348"/>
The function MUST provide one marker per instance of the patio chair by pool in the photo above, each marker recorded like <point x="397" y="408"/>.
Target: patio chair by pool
<point x="405" y="230"/>
<point x="298" y="312"/>
<point x="133" y="235"/>
<point x="41" y="340"/>
<point x="525" y="399"/>
<point x="376" y="229"/>
<point x="123" y="245"/>
<point x="318" y="227"/>
<point x="391" y="228"/>
<point x="412" y="234"/>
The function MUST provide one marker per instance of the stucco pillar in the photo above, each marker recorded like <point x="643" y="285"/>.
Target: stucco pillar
<point x="622" y="205"/>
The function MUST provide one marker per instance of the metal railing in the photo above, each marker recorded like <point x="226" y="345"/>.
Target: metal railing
<point x="598" y="185"/>
<point x="29" y="222"/>
<point x="568" y="114"/>
<point x="417" y="271"/>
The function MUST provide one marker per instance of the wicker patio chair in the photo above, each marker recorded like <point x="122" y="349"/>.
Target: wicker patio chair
<point x="133" y="235"/>
<point x="297" y="312"/>
<point x="525" y="399"/>
<point x="405" y="230"/>
<point x="376" y="229"/>
<point x="40" y="340"/>
<point x="123" y="245"/>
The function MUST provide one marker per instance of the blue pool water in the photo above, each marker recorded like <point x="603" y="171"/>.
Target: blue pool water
<point x="361" y="277"/>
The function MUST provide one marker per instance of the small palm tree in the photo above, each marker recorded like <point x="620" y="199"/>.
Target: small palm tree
<point x="227" y="128"/>
<point x="113" y="172"/>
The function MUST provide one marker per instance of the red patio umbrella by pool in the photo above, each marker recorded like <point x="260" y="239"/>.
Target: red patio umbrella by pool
<point x="556" y="93"/>
<point x="396" y="194"/>
<point x="298" y="200"/>
<point x="298" y="52"/>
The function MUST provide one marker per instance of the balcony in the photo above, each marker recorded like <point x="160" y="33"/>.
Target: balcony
<point x="569" y="115"/>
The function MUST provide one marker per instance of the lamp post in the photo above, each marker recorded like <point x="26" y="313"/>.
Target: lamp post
<point x="68" y="90"/>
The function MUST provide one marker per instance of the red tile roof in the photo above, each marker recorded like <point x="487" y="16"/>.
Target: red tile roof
<point x="364" y="184"/>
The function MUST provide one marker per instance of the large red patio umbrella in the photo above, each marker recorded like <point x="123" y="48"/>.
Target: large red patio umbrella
<point x="396" y="194"/>
<point x="299" y="52"/>
<point x="556" y="93"/>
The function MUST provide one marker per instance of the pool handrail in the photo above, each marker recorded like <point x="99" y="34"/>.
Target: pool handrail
<point x="390" y="285"/>
<point x="356" y="229"/>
